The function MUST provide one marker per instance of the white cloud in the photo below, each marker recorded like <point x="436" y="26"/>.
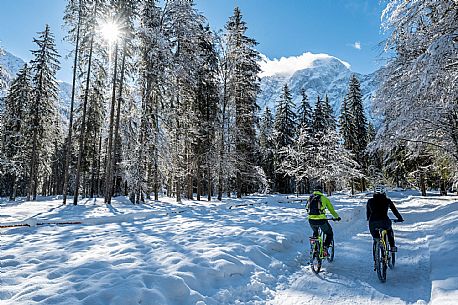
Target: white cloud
<point x="286" y="66"/>
<point x="357" y="45"/>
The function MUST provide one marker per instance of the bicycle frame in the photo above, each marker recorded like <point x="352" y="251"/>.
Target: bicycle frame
<point x="317" y="254"/>
<point x="383" y="257"/>
<point x="318" y="240"/>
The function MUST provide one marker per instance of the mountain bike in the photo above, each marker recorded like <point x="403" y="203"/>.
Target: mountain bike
<point x="384" y="256"/>
<point x="317" y="252"/>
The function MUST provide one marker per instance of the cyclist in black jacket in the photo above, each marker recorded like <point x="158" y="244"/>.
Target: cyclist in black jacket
<point x="377" y="215"/>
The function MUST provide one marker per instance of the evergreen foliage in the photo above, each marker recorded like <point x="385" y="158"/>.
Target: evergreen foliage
<point x="243" y="86"/>
<point x="284" y="136"/>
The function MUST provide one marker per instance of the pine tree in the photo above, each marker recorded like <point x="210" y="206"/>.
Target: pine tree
<point x="206" y="112"/>
<point x="243" y="86"/>
<point x="43" y="109"/>
<point x="354" y="130"/>
<point x="319" y="123"/>
<point x="419" y="83"/>
<point x="183" y="28"/>
<point x="154" y="49"/>
<point x="267" y="146"/>
<point x="15" y="134"/>
<point x="304" y="112"/>
<point x="284" y="136"/>
<point x="346" y="125"/>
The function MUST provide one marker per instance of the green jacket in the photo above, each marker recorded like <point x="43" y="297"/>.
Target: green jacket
<point x="325" y="204"/>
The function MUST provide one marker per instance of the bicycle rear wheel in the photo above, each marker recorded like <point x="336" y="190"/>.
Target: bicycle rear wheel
<point x="380" y="264"/>
<point x="315" y="260"/>
<point x="331" y="249"/>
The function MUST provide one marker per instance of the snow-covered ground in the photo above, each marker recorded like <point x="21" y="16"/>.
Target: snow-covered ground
<point x="249" y="251"/>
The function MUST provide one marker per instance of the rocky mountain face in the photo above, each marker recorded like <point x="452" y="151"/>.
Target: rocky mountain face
<point x="11" y="65"/>
<point x="322" y="76"/>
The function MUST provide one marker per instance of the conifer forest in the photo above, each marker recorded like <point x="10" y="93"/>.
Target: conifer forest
<point x="163" y="105"/>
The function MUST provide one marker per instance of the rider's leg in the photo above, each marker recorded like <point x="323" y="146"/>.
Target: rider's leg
<point x="314" y="225"/>
<point x="391" y="237"/>
<point x="327" y="229"/>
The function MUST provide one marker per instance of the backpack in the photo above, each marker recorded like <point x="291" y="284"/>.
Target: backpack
<point x="314" y="207"/>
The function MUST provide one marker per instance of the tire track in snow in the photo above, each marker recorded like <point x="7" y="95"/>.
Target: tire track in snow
<point x="350" y="279"/>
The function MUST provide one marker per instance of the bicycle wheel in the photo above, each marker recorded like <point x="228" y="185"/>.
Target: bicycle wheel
<point x="331" y="249"/>
<point x="393" y="259"/>
<point x="380" y="264"/>
<point x="391" y="255"/>
<point x="315" y="260"/>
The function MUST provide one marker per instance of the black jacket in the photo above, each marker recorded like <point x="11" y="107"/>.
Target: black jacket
<point x="377" y="208"/>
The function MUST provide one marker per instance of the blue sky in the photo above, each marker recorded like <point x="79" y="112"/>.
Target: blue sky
<point x="347" y="29"/>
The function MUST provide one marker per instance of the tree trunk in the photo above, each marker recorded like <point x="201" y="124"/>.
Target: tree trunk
<point x="83" y="123"/>
<point x="209" y="182"/>
<point x="443" y="188"/>
<point x="239" y="185"/>
<point x="422" y="184"/>
<point x="109" y="169"/>
<point x="70" y="123"/>
<point x="31" y="194"/>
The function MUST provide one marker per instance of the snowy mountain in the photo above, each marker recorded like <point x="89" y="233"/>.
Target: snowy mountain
<point x="11" y="64"/>
<point x="318" y="74"/>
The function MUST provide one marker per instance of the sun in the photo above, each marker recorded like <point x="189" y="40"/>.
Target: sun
<point x="110" y="31"/>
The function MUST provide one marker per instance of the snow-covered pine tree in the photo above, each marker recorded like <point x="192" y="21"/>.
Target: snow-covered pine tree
<point x="206" y="112"/>
<point x="327" y="160"/>
<point x="243" y="86"/>
<point x="319" y="123"/>
<point x="304" y="134"/>
<point x="354" y="126"/>
<point x="304" y="111"/>
<point x="284" y="135"/>
<point x="267" y="146"/>
<point x="15" y="135"/>
<point x="43" y="109"/>
<point x="225" y="158"/>
<point x="154" y="51"/>
<point x="328" y="114"/>
<point x="182" y="27"/>
<point x="419" y="91"/>
<point x="346" y="125"/>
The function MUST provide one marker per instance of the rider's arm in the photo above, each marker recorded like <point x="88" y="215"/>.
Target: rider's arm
<point x="329" y="206"/>
<point x="394" y="210"/>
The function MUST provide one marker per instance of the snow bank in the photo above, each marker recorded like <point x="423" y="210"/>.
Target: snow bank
<point x="251" y="251"/>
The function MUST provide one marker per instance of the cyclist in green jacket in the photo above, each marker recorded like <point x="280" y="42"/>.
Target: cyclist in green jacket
<point x="316" y="208"/>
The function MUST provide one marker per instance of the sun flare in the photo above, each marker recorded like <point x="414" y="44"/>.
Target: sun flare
<point x="110" y="31"/>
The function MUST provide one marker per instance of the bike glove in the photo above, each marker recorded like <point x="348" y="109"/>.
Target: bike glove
<point x="338" y="218"/>
<point x="400" y="219"/>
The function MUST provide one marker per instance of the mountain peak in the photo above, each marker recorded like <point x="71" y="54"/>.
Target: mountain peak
<point x="287" y="66"/>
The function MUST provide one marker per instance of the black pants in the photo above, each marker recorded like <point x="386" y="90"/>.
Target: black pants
<point x="325" y="227"/>
<point x="382" y="224"/>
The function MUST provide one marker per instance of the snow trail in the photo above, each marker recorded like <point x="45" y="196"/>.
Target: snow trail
<point x="252" y="251"/>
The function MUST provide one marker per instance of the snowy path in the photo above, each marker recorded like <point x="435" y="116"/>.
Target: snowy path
<point x="350" y="279"/>
<point x="203" y="253"/>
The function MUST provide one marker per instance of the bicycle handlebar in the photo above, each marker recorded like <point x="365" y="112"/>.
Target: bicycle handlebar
<point x="333" y="219"/>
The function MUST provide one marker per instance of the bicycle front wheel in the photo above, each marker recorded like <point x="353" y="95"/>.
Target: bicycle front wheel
<point x="380" y="263"/>
<point x="331" y="250"/>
